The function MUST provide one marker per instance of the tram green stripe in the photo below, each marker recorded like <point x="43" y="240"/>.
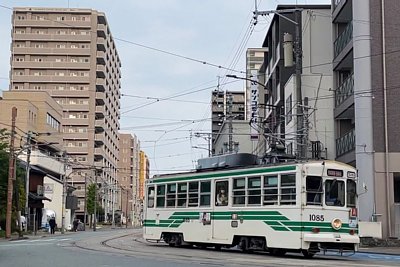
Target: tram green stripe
<point x="221" y="175"/>
<point x="279" y="228"/>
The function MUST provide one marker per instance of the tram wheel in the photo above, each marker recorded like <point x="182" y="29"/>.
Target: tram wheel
<point x="307" y="254"/>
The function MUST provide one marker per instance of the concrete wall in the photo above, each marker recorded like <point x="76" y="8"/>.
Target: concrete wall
<point x="241" y="130"/>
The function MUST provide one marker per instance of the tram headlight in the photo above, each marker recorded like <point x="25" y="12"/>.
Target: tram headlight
<point x="336" y="224"/>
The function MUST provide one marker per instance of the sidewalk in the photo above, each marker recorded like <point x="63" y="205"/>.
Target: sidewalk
<point x="380" y="250"/>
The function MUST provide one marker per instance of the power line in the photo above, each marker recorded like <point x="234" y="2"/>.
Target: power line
<point x="203" y="62"/>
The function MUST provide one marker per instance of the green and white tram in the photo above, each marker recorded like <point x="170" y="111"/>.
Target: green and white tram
<point x="299" y="207"/>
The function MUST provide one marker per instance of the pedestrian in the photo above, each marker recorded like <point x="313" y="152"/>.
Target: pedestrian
<point x="52" y="224"/>
<point x="75" y="224"/>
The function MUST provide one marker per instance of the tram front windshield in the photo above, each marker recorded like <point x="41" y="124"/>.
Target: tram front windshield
<point x="335" y="193"/>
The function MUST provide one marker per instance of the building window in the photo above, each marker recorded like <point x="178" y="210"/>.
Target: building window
<point x="396" y="187"/>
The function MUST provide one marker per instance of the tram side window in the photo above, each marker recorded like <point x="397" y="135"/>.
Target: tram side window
<point x="254" y="190"/>
<point x="238" y="191"/>
<point x="160" y="196"/>
<point x="150" y="197"/>
<point x="171" y="195"/>
<point x="334" y="193"/>
<point x="351" y="193"/>
<point x="288" y="189"/>
<point x="270" y="190"/>
<point x="193" y="194"/>
<point x="221" y="193"/>
<point x="314" y="190"/>
<point x="182" y="194"/>
<point x="205" y="193"/>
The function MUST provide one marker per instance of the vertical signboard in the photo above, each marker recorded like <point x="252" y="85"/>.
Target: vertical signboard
<point x="254" y="103"/>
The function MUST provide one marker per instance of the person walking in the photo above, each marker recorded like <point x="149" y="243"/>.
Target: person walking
<point x="52" y="224"/>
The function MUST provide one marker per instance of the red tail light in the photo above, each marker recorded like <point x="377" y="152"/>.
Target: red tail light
<point x="315" y="230"/>
<point x="352" y="231"/>
<point x="353" y="212"/>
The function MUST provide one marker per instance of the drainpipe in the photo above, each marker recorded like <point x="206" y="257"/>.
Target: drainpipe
<point x="389" y="223"/>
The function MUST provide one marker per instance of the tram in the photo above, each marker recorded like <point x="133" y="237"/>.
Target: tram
<point x="306" y="207"/>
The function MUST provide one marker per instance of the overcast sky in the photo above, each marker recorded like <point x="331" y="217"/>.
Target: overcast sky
<point x="213" y="31"/>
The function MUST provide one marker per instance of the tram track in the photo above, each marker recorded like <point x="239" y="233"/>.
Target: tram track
<point x="222" y="258"/>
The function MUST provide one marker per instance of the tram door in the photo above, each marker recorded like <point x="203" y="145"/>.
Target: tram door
<point x="221" y="200"/>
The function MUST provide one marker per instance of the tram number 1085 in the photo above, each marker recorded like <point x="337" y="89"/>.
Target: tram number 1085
<point x="317" y="218"/>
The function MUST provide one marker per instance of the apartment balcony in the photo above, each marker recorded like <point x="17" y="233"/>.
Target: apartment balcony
<point x="100" y="97"/>
<point x="51" y="51"/>
<point x="101" y="30"/>
<point x="50" y="65"/>
<point x="50" y="79"/>
<point x="75" y="107"/>
<point x="77" y="150"/>
<point x="346" y="143"/>
<point x="70" y="93"/>
<point x="100" y="85"/>
<point x="75" y="136"/>
<point x="98" y="164"/>
<point x="100" y="71"/>
<point x="343" y="39"/>
<point x="99" y="112"/>
<point x="68" y="121"/>
<point x="342" y="11"/>
<point x="101" y="44"/>
<point x="99" y="151"/>
<point x="101" y="57"/>
<point x="44" y="161"/>
<point x="99" y="139"/>
<point x="51" y="37"/>
<point x="344" y="91"/>
<point x="50" y="23"/>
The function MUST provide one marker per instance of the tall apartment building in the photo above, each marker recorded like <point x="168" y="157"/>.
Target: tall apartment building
<point x="128" y="170"/>
<point x="366" y="80"/>
<point x="71" y="54"/>
<point x="225" y="105"/>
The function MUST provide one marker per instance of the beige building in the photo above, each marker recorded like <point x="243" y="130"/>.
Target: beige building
<point x="128" y="175"/>
<point x="71" y="54"/>
<point x="38" y="116"/>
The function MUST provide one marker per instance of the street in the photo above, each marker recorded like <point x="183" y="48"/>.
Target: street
<point x="127" y="248"/>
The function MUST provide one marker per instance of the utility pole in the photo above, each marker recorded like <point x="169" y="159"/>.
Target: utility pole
<point x="95" y="200"/>
<point x="27" y="175"/>
<point x="301" y="142"/>
<point x="126" y="208"/>
<point x="11" y="174"/>
<point x="113" y="189"/>
<point x="64" y="157"/>
<point x="84" y="207"/>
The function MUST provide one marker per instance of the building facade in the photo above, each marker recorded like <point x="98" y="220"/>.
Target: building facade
<point x="70" y="53"/>
<point x="365" y="82"/>
<point x="38" y="133"/>
<point x="225" y="106"/>
<point x="128" y="175"/>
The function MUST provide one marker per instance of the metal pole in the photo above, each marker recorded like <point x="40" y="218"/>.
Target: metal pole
<point x="301" y="142"/>
<point x="95" y="201"/>
<point x="10" y="174"/>
<point x="84" y="207"/>
<point x="126" y="208"/>
<point x="113" y="204"/>
<point x="63" y="194"/>
<point x="27" y="176"/>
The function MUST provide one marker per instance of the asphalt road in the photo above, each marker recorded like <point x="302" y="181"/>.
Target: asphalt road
<point x="126" y="248"/>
